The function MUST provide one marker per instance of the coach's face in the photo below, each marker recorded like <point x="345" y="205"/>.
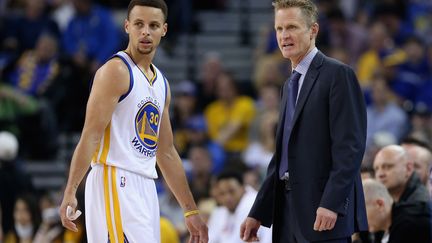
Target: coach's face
<point x="145" y="26"/>
<point x="294" y="35"/>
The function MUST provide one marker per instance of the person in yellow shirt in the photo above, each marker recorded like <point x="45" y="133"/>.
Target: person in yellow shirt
<point x="230" y="116"/>
<point x="168" y="231"/>
<point x="381" y="53"/>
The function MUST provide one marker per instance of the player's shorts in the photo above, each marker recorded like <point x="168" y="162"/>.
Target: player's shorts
<point x="120" y="207"/>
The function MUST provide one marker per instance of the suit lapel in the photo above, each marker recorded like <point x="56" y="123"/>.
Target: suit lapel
<point x="308" y="83"/>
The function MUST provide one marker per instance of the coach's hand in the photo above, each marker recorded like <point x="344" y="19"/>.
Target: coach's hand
<point x="68" y="200"/>
<point x="325" y="219"/>
<point x="197" y="229"/>
<point x="249" y="229"/>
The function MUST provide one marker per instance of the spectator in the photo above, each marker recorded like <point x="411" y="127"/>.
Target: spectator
<point x="383" y="115"/>
<point x="37" y="68"/>
<point x="14" y="105"/>
<point x="26" y="220"/>
<point x="62" y="12"/>
<point x="13" y="181"/>
<point x="267" y="45"/>
<point x="201" y="171"/>
<point x="423" y="96"/>
<point x="381" y="52"/>
<point x="168" y="231"/>
<point x="422" y="159"/>
<point x="50" y="229"/>
<point x="34" y="76"/>
<point x="340" y="54"/>
<point x="421" y="125"/>
<point x="236" y="200"/>
<point x="411" y="74"/>
<point x="270" y="70"/>
<point x="184" y="110"/>
<point x="394" y="169"/>
<point x="392" y="14"/>
<point x="267" y="105"/>
<point x="366" y="172"/>
<point x="25" y="30"/>
<point x="229" y="117"/>
<point x="401" y="222"/>
<point x="346" y="35"/>
<point x="260" y="151"/>
<point x="196" y="135"/>
<point x="420" y="16"/>
<point x="91" y="36"/>
<point x="380" y="140"/>
<point x="209" y="71"/>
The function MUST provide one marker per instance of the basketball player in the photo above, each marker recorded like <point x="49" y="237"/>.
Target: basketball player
<point x="127" y="130"/>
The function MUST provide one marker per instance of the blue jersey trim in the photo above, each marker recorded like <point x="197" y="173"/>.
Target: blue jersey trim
<point x="166" y="87"/>
<point x="131" y="79"/>
<point x="153" y="79"/>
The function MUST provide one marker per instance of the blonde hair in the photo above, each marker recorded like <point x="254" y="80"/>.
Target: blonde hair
<point x="308" y="8"/>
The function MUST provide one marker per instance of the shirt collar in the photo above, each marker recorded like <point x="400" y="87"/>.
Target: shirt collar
<point x="303" y="66"/>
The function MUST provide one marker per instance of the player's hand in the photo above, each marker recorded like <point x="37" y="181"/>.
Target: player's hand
<point x="249" y="229"/>
<point x="325" y="219"/>
<point x="197" y="229"/>
<point x="68" y="216"/>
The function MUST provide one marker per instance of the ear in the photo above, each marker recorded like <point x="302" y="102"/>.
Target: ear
<point x="126" y="26"/>
<point x="380" y="203"/>
<point x="165" y="29"/>
<point x="410" y="166"/>
<point x="314" y="32"/>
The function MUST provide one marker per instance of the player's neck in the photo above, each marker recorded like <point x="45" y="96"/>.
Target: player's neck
<point x="143" y="61"/>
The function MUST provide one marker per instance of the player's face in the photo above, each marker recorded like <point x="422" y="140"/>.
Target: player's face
<point x="295" y="37"/>
<point x="145" y="26"/>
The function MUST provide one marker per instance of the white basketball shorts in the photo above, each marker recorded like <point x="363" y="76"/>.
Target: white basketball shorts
<point x="120" y="207"/>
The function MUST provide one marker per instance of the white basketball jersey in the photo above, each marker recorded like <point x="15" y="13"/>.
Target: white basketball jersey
<point x="130" y="140"/>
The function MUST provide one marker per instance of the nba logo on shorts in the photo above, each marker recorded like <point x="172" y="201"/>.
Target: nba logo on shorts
<point x="122" y="181"/>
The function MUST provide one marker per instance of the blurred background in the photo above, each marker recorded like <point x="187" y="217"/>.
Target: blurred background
<point x="225" y="70"/>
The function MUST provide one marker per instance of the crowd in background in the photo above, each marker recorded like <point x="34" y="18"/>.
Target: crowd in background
<point x="224" y="132"/>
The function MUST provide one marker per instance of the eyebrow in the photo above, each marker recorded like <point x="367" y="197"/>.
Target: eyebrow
<point x="151" y="21"/>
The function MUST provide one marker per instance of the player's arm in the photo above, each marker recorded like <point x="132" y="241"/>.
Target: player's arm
<point x="171" y="166"/>
<point x="110" y="83"/>
<point x="170" y="163"/>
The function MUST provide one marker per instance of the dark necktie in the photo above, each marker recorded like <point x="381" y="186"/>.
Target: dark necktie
<point x="293" y="85"/>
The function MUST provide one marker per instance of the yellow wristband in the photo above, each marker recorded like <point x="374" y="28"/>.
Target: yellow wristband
<point x="190" y="213"/>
